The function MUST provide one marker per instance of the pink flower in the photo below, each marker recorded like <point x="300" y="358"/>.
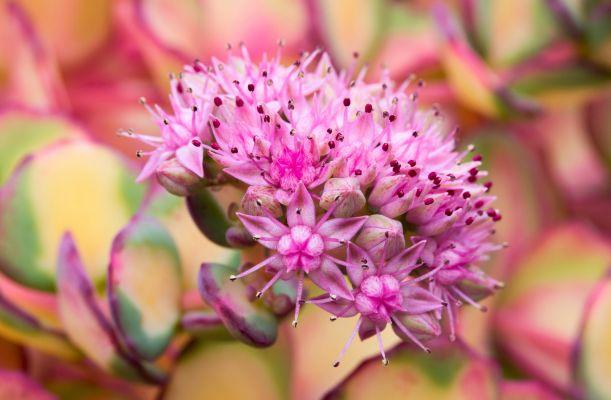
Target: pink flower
<point x="383" y="294"/>
<point x="301" y="246"/>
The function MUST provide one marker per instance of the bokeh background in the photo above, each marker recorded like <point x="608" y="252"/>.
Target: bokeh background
<point x="527" y="81"/>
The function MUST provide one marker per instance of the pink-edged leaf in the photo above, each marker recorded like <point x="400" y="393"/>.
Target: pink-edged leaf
<point x="86" y="323"/>
<point x="301" y="210"/>
<point x="329" y="277"/>
<point x="340" y="230"/>
<point x="17" y="385"/>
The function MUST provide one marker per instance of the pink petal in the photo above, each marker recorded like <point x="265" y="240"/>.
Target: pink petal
<point x="192" y="158"/>
<point x="341" y="230"/>
<point x="404" y="261"/>
<point x="417" y="300"/>
<point x="355" y="269"/>
<point x="300" y="210"/>
<point x="339" y="308"/>
<point x="247" y="173"/>
<point x="264" y="228"/>
<point x="151" y="165"/>
<point x="330" y="278"/>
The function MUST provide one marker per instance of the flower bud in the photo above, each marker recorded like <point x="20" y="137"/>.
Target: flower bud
<point x="175" y="178"/>
<point x="238" y="236"/>
<point x="346" y="193"/>
<point x="381" y="237"/>
<point x="424" y="326"/>
<point x="257" y="198"/>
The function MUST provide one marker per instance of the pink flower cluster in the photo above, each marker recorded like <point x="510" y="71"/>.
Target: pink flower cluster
<point x="347" y="184"/>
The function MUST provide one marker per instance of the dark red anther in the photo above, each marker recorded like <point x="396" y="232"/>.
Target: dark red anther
<point x="329" y="131"/>
<point x="392" y="118"/>
<point x="267" y="118"/>
<point x="472" y="178"/>
<point x="358" y="172"/>
<point x="239" y="102"/>
<point x="491" y="212"/>
<point x="260" y="109"/>
<point x="437" y="181"/>
<point x="412" y="163"/>
<point x="396" y="169"/>
<point x="216" y="123"/>
<point x="448" y="212"/>
<point x="339" y="137"/>
<point x="400" y="193"/>
<point x="428" y="201"/>
<point x="469" y="221"/>
<point x="466" y="195"/>
<point x="196" y="142"/>
<point x="418" y="192"/>
<point x="331" y="144"/>
<point x="451" y="193"/>
<point x="217" y="101"/>
<point x="179" y="87"/>
<point x="385" y="146"/>
<point x="368" y="108"/>
<point x="251" y="87"/>
<point x="497" y="217"/>
<point x="432" y="176"/>
<point x="234" y="150"/>
<point x="346" y="102"/>
<point x="473" y="171"/>
<point x="394" y="162"/>
<point x="215" y="146"/>
<point x="477" y="157"/>
<point x="415" y="133"/>
<point x="479" y="203"/>
<point x="488" y="185"/>
<point x="412" y="173"/>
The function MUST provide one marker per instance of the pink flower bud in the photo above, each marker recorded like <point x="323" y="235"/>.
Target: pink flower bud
<point x="175" y="178"/>
<point x="344" y="194"/>
<point x="258" y="198"/>
<point x="381" y="237"/>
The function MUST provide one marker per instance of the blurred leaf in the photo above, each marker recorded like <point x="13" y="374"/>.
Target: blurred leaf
<point x="230" y="370"/>
<point x="537" y="318"/>
<point x="17" y="385"/>
<point x="445" y="374"/>
<point x="23" y="131"/>
<point x="86" y="322"/>
<point x="144" y="287"/>
<point x="77" y="186"/>
<point x="245" y="320"/>
<point x="593" y="356"/>
<point x="526" y="390"/>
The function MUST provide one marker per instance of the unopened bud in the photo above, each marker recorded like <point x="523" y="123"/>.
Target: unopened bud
<point x="381" y="237"/>
<point x="175" y="178"/>
<point x="258" y="198"/>
<point x="344" y="194"/>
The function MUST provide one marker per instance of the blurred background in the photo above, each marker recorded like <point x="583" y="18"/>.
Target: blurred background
<point x="527" y="81"/>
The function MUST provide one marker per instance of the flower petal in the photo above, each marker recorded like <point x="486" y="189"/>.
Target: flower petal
<point x="329" y="277"/>
<point x="301" y="210"/>
<point x="341" y="230"/>
<point x="264" y="228"/>
<point x="191" y="157"/>
<point x="356" y="270"/>
<point x="247" y="173"/>
<point x="404" y="260"/>
<point x="417" y="300"/>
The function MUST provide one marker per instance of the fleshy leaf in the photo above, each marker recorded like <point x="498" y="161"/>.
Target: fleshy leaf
<point x="234" y="371"/>
<point x="23" y="131"/>
<point x="87" y="324"/>
<point x="20" y="326"/>
<point x="244" y="320"/>
<point x="144" y="287"/>
<point x="445" y="374"/>
<point x="526" y="390"/>
<point x="539" y="311"/>
<point x="17" y="385"/>
<point x="77" y="186"/>
<point x="593" y="358"/>
<point x="209" y="216"/>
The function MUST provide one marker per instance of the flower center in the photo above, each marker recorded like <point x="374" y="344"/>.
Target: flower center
<point x="292" y="167"/>
<point x="379" y="297"/>
<point x="301" y="249"/>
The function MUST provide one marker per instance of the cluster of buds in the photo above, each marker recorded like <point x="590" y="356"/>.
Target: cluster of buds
<point x="347" y="184"/>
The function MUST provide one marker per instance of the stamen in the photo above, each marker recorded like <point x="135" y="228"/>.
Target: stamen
<point x="348" y="343"/>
